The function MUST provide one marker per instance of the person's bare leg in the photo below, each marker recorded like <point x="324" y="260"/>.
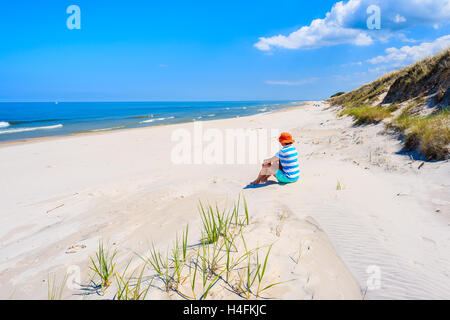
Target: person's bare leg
<point x="265" y="173"/>
<point x="262" y="178"/>
<point x="265" y="178"/>
<point x="261" y="175"/>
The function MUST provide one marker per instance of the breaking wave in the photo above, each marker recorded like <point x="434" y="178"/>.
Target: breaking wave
<point x="17" y="130"/>
<point x="156" y="119"/>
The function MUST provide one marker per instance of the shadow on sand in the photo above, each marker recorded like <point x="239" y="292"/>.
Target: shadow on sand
<point x="268" y="183"/>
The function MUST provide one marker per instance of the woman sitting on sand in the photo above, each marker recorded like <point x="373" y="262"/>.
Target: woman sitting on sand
<point x="284" y="165"/>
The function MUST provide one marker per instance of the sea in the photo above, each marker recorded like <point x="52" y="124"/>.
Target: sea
<point x="26" y="120"/>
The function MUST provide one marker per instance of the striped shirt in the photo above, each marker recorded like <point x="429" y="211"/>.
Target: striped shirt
<point x="288" y="156"/>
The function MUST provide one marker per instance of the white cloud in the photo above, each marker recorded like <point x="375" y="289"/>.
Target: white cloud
<point x="346" y="24"/>
<point x="350" y="64"/>
<point x="399" y="19"/>
<point x="349" y="77"/>
<point x="321" y="32"/>
<point x="318" y="34"/>
<point x="408" y="54"/>
<point x="381" y="70"/>
<point x="292" y="83"/>
<point x="404" y="38"/>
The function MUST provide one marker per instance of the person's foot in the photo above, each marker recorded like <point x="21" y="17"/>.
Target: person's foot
<point x="254" y="183"/>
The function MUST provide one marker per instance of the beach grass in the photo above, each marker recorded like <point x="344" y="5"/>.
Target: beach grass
<point x="185" y="242"/>
<point x="55" y="290"/>
<point x="210" y="223"/>
<point x="367" y="114"/>
<point x="161" y="265"/>
<point x="129" y="290"/>
<point x="423" y="86"/>
<point x="104" y="265"/>
<point x="430" y="134"/>
<point x="191" y="272"/>
<point x="177" y="262"/>
<point x="246" y="211"/>
<point x="261" y="271"/>
<point x="194" y="276"/>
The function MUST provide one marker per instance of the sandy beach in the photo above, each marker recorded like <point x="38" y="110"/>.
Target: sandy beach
<point x="363" y="221"/>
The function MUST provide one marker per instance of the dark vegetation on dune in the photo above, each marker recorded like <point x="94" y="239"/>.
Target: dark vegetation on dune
<point x="337" y="94"/>
<point x="414" y="101"/>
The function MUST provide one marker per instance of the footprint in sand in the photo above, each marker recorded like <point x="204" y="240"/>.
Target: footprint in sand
<point x="75" y="248"/>
<point x="278" y="230"/>
<point x="428" y="240"/>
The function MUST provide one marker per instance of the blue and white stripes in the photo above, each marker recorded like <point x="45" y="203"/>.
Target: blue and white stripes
<point x="288" y="156"/>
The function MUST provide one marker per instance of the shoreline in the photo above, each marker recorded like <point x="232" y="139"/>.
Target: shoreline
<point x="107" y="130"/>
<point x="63" y="195"/>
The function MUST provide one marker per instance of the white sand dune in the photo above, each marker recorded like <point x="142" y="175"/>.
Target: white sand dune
<point x="61" y="195"/>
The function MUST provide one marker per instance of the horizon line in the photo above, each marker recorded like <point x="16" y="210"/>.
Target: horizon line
<point x="70" y="101"/>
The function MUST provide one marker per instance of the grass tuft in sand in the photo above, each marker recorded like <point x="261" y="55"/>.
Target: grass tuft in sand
<point x="367" y="114"/>
<point x="55" y="290"/>
<point x="218" y="260"/>
<point x="430" y="135"/>
<point x="129" y="290"/>
<point x="190" y="271"/>
<point x="104" y="265"/>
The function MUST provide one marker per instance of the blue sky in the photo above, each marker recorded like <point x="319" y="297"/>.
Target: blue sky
<point x="208" y="50"/>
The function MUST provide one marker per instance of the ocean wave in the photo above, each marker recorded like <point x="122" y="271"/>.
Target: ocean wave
<point x="210" y="115"/>
<point x="262" y="109"/>
<point x="147" y="121"/>
<point x="156" y="119"/>
<point x="4" y="124"/>
<point x="34" y="121"/>
<point x="17" y="130"/>
<point x="106" y="129"/>
<point x="140" y="117"/>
